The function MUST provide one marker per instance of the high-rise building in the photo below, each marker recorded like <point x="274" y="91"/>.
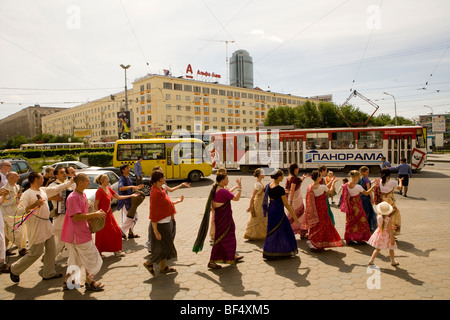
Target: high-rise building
<point x="241" y="69"/>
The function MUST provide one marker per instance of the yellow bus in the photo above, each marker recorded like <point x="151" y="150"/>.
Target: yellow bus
<point x="180" y="158"/>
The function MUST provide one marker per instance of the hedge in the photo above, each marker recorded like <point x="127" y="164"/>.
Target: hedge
<point x="33" y="154"/>
<point x="98" y="159"/>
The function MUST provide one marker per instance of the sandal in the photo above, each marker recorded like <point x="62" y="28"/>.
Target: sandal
<point x="213" y="265"/>
<point x="238" y="258"/>
<point x="394" y="264"/>
<point x="131" y="235"/>
<point x="149" y="267"/>
<point x="94" y="286"/>
<point x="168" y="269"/>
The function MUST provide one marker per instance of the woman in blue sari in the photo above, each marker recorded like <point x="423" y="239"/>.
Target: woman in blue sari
<point x="280" y="239"/>
<point x="367" y="200"/>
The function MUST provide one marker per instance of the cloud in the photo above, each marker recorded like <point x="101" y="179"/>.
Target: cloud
<point x="263" y="35"/>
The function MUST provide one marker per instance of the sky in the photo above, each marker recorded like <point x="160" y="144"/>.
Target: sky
<point x="65" y="53"/>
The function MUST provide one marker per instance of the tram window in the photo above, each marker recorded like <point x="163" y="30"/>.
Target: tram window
<point x="370" y="139"/>
<point x="317" y="141"/>
<point x="343" y="140"/>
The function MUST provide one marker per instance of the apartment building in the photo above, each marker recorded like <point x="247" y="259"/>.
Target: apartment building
<point x="158" y="105"/>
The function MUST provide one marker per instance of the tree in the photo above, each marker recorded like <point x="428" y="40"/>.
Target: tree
<point x="307" y="116"/>
<point x="15" y="142"/>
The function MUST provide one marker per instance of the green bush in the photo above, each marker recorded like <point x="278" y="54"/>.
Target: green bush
<point x="98" y="159"/>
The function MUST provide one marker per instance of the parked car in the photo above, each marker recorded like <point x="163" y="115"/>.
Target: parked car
<point x="77" y="165"/>
<point x="92" y="189"/>
<point x="21" y="166"/>
<point x="145" y="180"/>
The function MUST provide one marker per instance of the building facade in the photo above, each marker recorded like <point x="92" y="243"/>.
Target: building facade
<point x="241" y="69"/>
<point x="158" y="105"/>
<point x="26" y="122"/>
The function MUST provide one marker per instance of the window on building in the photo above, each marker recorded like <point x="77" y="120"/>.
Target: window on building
<point x="167" y="85"/>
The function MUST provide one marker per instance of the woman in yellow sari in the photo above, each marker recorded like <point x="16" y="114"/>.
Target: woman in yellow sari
<point x="384" y="191"/>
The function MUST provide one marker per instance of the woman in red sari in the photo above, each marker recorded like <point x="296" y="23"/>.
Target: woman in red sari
<point x="108" y="239"/>
<point x="322" y="233"/>
<point x="357" y="227"/>
<point x="224" y="246"/>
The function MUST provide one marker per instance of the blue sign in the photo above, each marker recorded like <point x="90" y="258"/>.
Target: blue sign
<point x="316" y="156"/>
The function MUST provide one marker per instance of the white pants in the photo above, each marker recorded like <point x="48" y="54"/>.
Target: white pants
<point x="57" y="229"/>
<point x="18" y="236"/>
<point x="85" y="255"/>
<point x="128" y="223"/>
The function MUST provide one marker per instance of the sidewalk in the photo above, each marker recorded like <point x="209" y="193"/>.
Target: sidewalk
<point x="438" y="157"/>
<point x="340" y="273"/>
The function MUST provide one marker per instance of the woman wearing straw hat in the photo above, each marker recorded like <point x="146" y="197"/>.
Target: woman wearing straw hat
<point x="383" y="237"/>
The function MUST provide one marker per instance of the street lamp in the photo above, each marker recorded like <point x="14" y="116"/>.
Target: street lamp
<point x="126" y="97"/>
<point x="430" y="108"/>
<point x="395" y="107"/>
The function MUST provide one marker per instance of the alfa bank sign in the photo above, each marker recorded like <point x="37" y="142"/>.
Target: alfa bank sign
<point x="204" y="74"/>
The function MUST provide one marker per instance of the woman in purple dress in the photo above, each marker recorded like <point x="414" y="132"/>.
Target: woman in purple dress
<point x="224" y="246"/>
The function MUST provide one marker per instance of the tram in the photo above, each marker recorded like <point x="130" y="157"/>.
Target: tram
<point x="337" y="148"/>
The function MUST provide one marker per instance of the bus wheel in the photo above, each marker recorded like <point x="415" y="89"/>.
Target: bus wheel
<point x="195" y="176"/>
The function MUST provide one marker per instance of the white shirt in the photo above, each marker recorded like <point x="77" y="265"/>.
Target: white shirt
<point x="388" y="186"/>
<point x="39" y="227"/>
<point x="357" y="189"/>
<point x="320" y="190"/>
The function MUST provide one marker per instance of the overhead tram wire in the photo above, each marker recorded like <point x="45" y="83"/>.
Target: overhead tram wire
<point x="303" y="30"/>
<point x="48" y="61"/>
<point x="440" y="59"/>
<point x="135" y="36"/>
<point x="364" y="53"/>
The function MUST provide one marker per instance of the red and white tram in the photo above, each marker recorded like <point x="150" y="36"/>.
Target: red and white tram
<point x="338" y="148"/>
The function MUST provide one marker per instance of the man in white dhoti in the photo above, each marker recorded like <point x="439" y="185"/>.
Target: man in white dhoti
<point x="76" y="233"/>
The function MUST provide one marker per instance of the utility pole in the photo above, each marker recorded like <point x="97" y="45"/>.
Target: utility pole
<point x="395" y="107"/>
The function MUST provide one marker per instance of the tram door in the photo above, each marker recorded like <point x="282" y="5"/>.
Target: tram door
<point x="292" y="152"/>
<point x="399" y="146"/>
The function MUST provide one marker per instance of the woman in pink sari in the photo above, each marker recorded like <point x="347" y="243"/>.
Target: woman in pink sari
<point x="295" y="199"/>
<point x="322" y="233"/>
<point x="357" y="227"/>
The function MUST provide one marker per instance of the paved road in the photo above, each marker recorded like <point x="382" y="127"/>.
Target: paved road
<point x="341" y="273"/>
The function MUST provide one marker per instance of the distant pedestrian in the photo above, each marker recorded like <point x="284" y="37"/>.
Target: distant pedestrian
<point x="161" y="211"/>
<point x="384" y="191"/>
<point x="322" y="233"/>
<point x="357" y="228"/>
<point x="126" y="188"/>
<point x="280" y="239"/>
<point x="78" y="237"/>
<point x="367" y="200"/>
<point x="49" y="176"/>
<point x="383" y="237"/>
<point x="295" y="199"/>
<point x="257" y="223"/>
<point x="385" y="163"/>
<point x="405" y="172"/>
<point x="138" y="169"/>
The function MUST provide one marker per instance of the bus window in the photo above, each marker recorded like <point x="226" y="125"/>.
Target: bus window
<point x="317" y="141"/>
<point x="154" y="151"/>
<point x="343" y="140"/>
<point x="370" y="139"/>
<point x="127" y="152"/>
